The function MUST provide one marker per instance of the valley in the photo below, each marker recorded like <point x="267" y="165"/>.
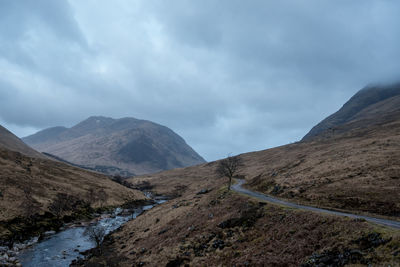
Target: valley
<point x="331" y="199"/>
<point x="351" y="167"/>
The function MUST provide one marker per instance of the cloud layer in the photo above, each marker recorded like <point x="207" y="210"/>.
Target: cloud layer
<point x="229" y="76"/>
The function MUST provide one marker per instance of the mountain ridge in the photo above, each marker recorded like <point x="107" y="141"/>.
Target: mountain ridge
<point x="133" y="146"/>
<point x="365" y="105"/>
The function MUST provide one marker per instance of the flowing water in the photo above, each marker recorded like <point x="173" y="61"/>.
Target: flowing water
<point x="62" y="248"/>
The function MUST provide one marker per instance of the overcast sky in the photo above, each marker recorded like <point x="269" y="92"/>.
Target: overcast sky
<point x="229" y="76"/>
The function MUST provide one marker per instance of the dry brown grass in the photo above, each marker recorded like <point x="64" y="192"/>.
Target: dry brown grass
<point x="45" y="178"/>
<point x="186" y="228"/>
<point x="356" y="171"/>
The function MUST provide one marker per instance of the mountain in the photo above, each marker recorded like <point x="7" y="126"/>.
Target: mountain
<point x="124" y="146"/>
<point x="11" y="142"/>
<point x="371" y="104"/>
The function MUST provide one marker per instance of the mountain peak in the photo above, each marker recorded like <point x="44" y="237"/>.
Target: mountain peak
<point x="123" y="146"/>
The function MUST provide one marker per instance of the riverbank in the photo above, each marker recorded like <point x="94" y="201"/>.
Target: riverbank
<point x="21" y="233"/>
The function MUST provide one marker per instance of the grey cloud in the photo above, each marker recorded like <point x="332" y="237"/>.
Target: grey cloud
<point x="229" y="76"/>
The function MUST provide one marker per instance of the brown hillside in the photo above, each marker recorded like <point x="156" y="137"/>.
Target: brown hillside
<point x="216" y="228"/>
<point x="42" y="179"/>
<point x="357" y="170"/>
<point x="355" y="167"/>
<point x="9" y="141"/>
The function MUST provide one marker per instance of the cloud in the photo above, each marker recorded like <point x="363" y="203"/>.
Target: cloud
<point x="229" y="76"/>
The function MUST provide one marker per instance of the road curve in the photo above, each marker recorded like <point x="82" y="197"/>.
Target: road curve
<point x="238" y="188"/>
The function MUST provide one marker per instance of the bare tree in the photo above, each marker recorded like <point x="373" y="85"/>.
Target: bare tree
<point x="228" y="168"/>
<point x="96" y="234"/>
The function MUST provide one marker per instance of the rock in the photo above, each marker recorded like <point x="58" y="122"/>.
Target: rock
<point x="218" y="244"/>
<point x="49" y="233"/>
<point x="176" y="262"/>
<point x="203" y="191"/>
<point x="371" y="240"/>
<point x="163" y="231"/>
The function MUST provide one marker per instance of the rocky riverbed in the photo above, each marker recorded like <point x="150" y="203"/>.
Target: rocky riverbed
<point x="62" y="247"/>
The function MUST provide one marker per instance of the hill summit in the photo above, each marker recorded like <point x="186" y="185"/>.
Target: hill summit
<point x="125" y="147"/>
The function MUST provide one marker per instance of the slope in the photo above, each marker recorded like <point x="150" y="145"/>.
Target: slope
<point x="356" y="169"/>
<point x="9" y="141"/>
<point x="364" y="106"/>
<point x="124" y="146"/>
<point x="35" y="182"/>
<point x="206" y="226"/>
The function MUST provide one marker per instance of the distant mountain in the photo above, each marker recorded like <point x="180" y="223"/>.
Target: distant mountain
<point x="124" y="146"/>
<point x="11" y="142"/>
<point x="371" y="105"/>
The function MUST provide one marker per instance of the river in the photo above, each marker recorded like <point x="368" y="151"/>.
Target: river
<point x="61" y="248"/>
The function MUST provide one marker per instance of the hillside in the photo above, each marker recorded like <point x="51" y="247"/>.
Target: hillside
<point x="124" y="146"/>
<point x="40" y="180"/>
<point x="369" y="105"/>
<point x="207" y="226"/>
<point x="9" y="141"/>
<point x="354" y="168"/>
<point x="357" y="171"/>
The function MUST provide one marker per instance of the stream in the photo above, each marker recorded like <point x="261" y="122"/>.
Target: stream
<point x="60" y="249"/>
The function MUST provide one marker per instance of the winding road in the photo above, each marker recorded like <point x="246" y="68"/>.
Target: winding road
<point x="238" y="188"/>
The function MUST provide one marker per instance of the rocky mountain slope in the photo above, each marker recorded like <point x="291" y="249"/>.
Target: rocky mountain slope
<point x="11" y="142"/>
<point x="124" y="146"/>
<point x="370" y="104"/>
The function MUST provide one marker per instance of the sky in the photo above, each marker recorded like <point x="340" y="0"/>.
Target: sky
<point x="229" y="76"/>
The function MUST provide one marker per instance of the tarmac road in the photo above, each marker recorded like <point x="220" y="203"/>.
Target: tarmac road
<point x="238" y="188"/>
